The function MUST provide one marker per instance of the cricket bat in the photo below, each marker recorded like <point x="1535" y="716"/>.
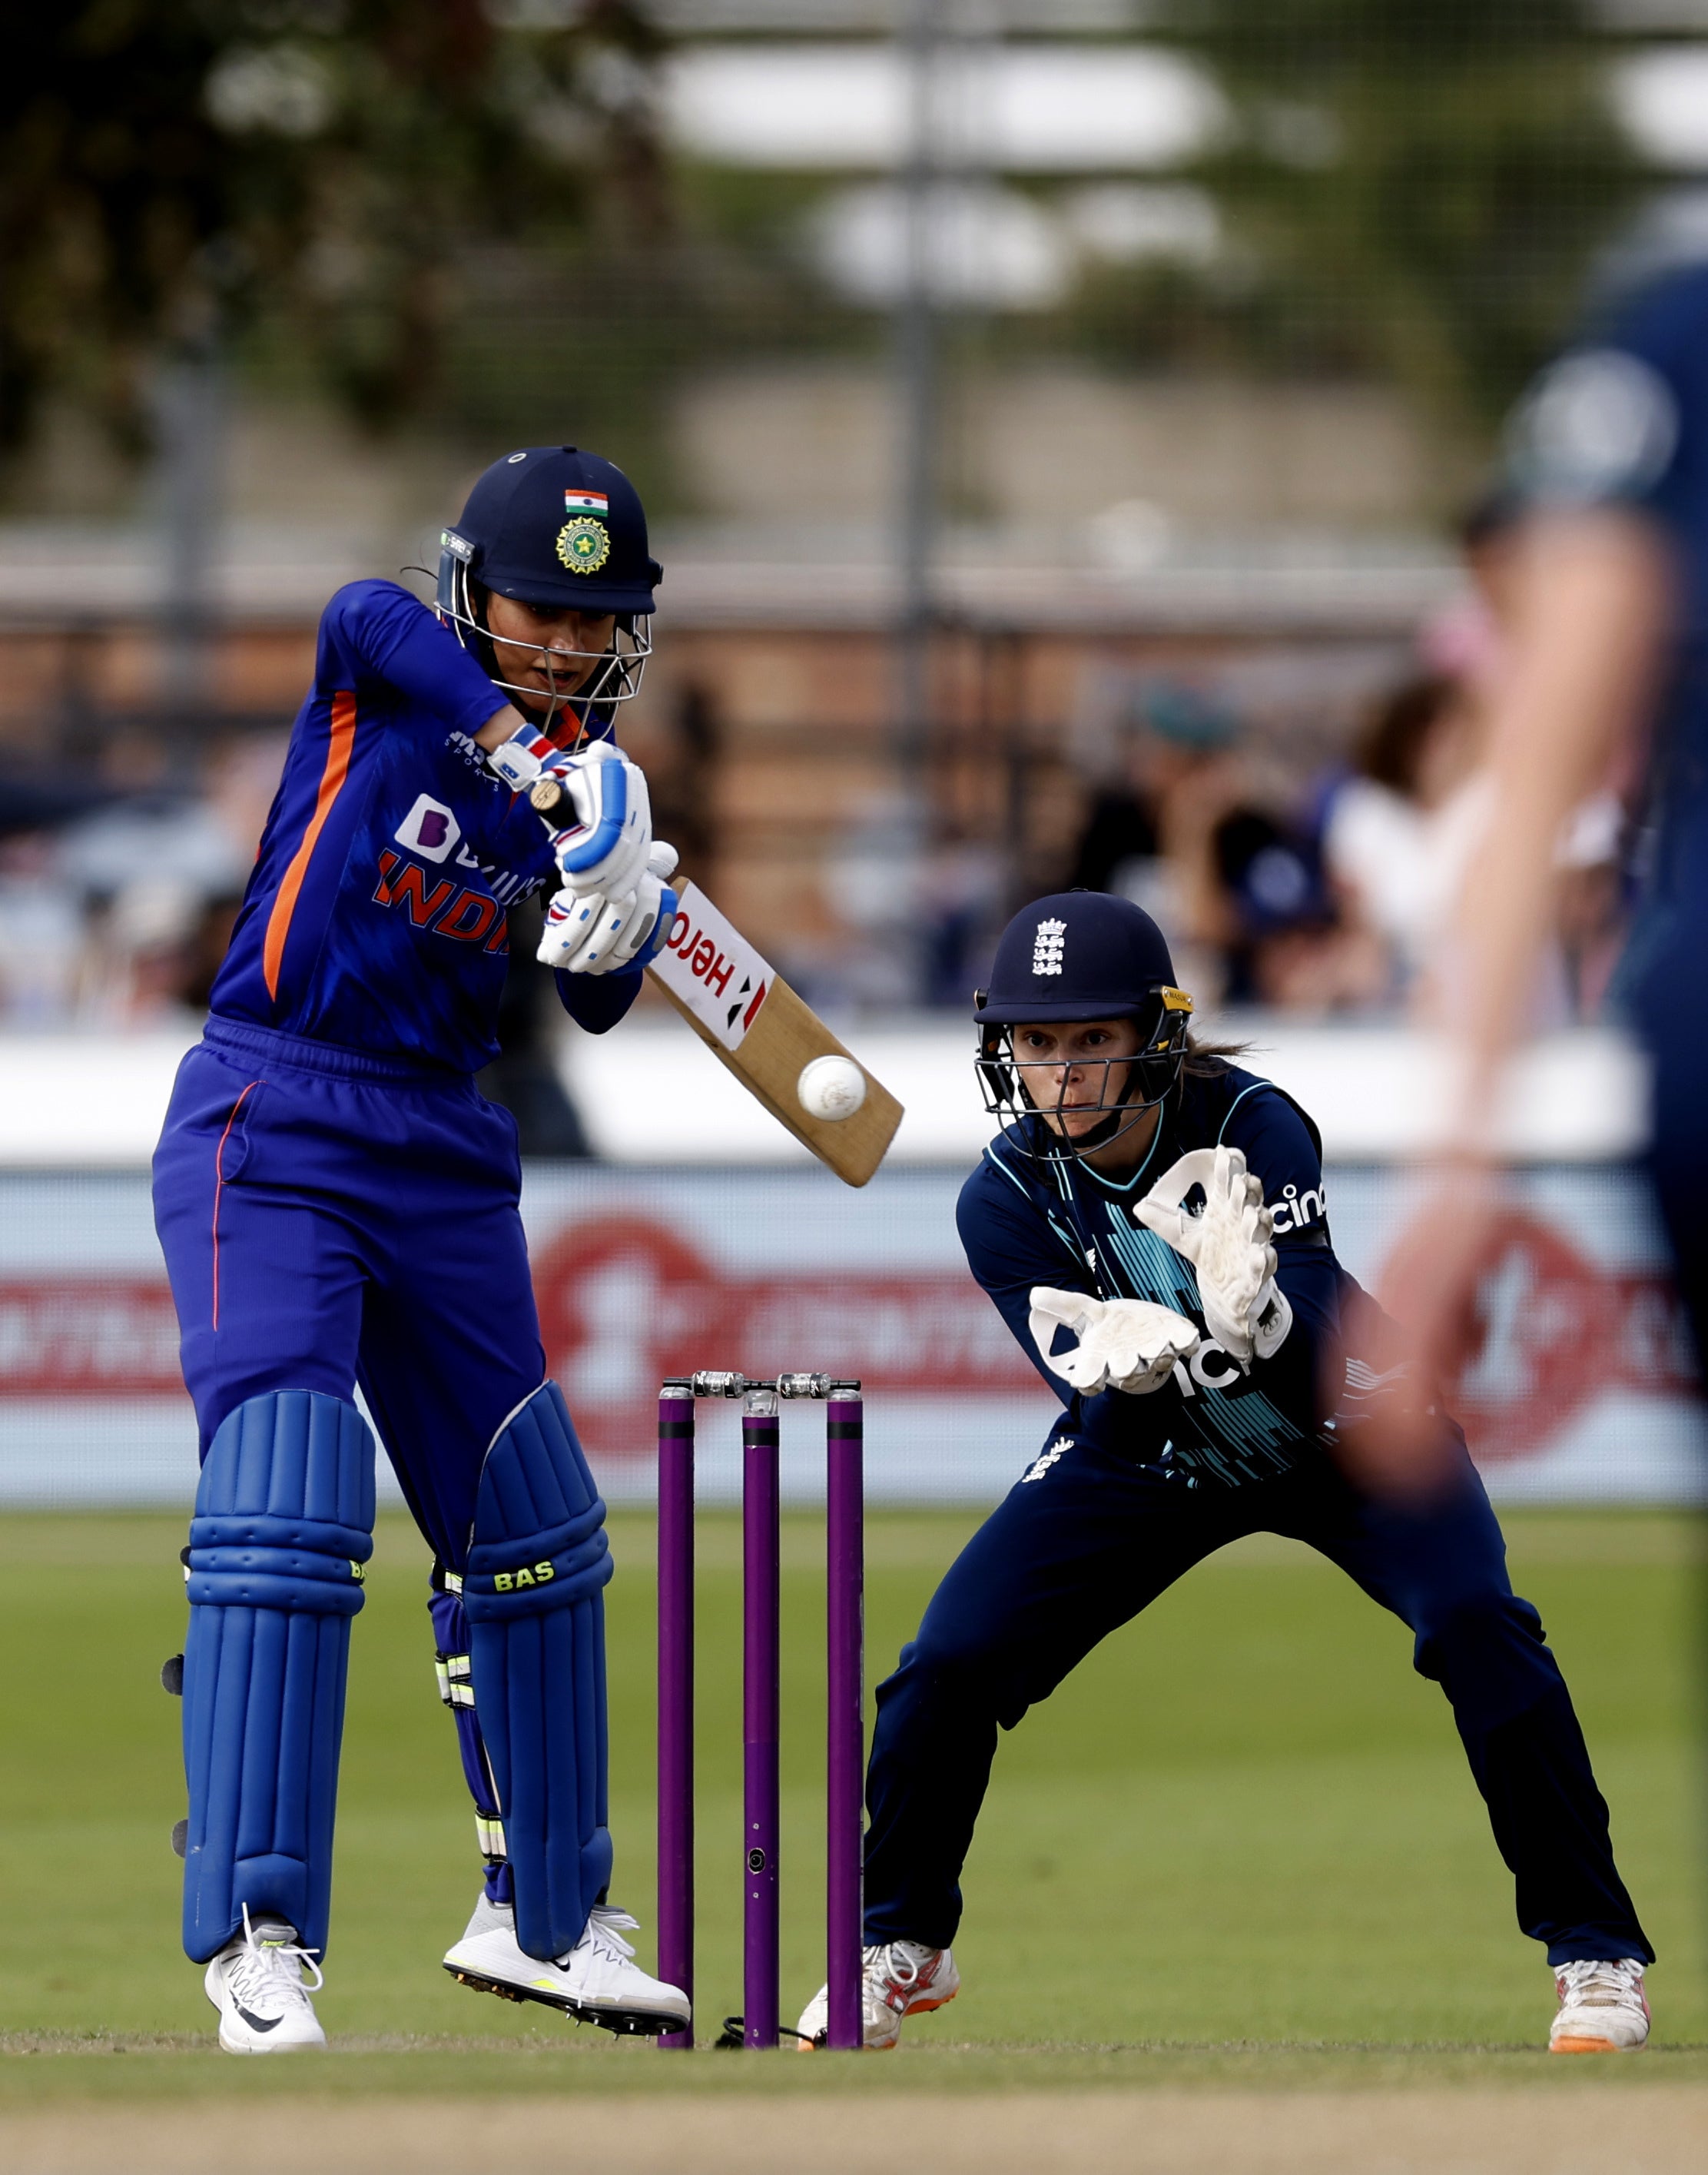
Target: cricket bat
<point x="751" y="1021"/>
<point x="755" y="1024"/>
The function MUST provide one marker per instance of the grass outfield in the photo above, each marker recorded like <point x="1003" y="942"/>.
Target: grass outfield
<point x="1240" y="1844"/>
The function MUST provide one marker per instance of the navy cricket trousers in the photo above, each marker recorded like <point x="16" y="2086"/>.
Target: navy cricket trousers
<point x="1083" y="1547"/>
<point x="329" y="1218"/>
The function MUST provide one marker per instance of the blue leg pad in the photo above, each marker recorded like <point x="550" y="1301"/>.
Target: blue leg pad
<point x="284" y="1522"/>
<point x="534" y="1595"/>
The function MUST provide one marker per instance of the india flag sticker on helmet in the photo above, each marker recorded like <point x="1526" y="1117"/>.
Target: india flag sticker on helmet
<point x="587" y="501"/>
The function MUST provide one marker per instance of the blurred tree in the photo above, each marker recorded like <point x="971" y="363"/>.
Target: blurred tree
<point x="167" y="167"/>
<point x="114" y="182"/>
<point x="1411" y="186"/>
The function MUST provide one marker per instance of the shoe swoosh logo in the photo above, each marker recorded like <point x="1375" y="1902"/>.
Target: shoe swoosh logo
<point x="257" y="2023"/>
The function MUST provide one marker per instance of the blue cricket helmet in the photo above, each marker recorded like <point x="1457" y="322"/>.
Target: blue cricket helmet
<point x="1076" y="955"/>
<point x="1082" y="955"/>
<point x="562" y="529"/>
<point x="553" y="525"/>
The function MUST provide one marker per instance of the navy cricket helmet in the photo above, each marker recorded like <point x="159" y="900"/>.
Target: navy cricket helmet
<point x="562" y="529"/>
<point x="1081" y="956"/>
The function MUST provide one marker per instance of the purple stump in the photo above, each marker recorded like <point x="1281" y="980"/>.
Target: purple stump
<point x="761" y="1640"/>
<point x="845" y="1764"/>
<point x="676" y="1905"/>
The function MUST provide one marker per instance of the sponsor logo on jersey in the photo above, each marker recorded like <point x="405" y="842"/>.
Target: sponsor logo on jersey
<point x="475" y="755"/>
<point x="1208" y="1366"/>
<point x="1294" y="1209"/>
<point x="430" y="829"/>
<point x="446" y="908"/>
<point x="1048" y="946"/>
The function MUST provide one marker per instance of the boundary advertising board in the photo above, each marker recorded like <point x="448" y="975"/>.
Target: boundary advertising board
<point x="1581" y="1389"/>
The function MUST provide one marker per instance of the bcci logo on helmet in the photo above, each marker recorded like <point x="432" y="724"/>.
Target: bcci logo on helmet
<point x="584" y="544"/>
<point x="1047" y="947"/>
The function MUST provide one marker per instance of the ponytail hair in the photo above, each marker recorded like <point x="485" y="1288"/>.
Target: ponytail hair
<point x="1209" y="1061"/>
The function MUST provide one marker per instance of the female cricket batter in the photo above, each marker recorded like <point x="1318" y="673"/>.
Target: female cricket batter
<point x="338" y="1205"/>
<point x="1216" y="1355"/>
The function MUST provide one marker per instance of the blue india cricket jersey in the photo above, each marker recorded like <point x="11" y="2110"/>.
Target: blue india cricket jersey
<point x="375" y="918"/>
<point x="1027" y="1222"/>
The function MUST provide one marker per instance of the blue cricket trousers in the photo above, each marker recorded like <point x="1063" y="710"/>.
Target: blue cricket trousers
<point x="329" y="1218"/>
<point x="1069" y="1556"/>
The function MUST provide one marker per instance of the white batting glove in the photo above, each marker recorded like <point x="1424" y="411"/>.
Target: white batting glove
<point x="1124" y="1344"/>
<point x="590" y="933"/>
<point x="1228" y="1246"/>
<point x="607" y="851"/>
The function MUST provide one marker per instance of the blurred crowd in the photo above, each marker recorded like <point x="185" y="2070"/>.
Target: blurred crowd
<point x="1284" y="878"/>
<point x="1317" y="889"/>
<point x="119" y="886"/>
<point x="118" y="892"/>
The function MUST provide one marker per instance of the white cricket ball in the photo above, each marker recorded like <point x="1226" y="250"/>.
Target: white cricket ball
<point x="831" y="1087"/>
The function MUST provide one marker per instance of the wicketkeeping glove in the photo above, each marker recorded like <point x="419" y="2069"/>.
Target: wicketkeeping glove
<point x="1124" y="1344"/>
<point x="593" y="933"/>
<point x="1228" y="1246"/>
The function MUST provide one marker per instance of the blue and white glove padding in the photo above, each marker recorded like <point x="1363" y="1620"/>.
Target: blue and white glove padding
<point x="608" y="853"/>
<point x="1126" y="1344"/>
<point x="590" y="932"/>
<point x="605" y="850"/>
<point x="1228" y="1245"/>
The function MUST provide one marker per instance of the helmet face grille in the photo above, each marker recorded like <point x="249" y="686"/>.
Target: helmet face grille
<point x="1146" y="1082"/>
<point x="617" y="671"/>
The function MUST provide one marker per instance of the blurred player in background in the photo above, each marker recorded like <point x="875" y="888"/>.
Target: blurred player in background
<point x="1195" y="1412"/>
<point x="1606" y="680"/>
<point x="1606" y="673"/>
<point x="338" y="1206"/>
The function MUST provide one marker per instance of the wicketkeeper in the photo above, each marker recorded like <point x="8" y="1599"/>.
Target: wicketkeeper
<point x="338" y="1205"/>
<point x="1151" y="1224"/>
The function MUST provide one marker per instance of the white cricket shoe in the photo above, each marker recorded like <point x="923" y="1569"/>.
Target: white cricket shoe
<point x="1602" y="2008"/>
<point x="256" y="1984"/>
<point x="597" y="1982"/>
<point x="898" y="1979"/>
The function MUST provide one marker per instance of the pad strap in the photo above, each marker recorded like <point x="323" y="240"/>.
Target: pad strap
<point x="455" y="1667"/>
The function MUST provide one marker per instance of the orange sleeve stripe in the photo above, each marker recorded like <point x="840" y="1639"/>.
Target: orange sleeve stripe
<point x="338" y="752"/>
